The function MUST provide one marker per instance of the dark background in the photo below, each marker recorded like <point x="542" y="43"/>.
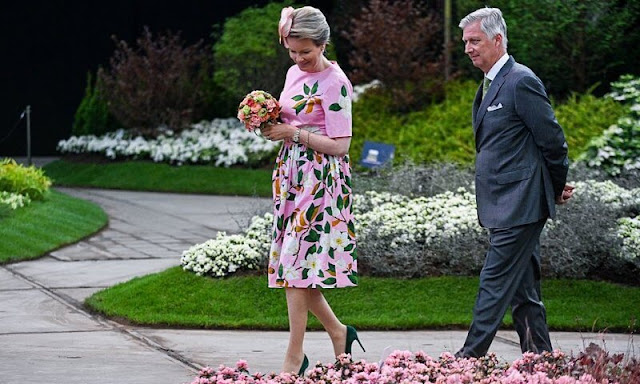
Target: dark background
<point x="49" y="46"/>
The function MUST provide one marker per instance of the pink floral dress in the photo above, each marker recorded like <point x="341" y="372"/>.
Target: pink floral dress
<point x="313" y="234"/>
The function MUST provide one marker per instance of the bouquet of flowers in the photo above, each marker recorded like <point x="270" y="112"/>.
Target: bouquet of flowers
<point x="258" y="108"/>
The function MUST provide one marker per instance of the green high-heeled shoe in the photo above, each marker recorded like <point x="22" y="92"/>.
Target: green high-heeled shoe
<point x="352" y="336"/>
<point x="305" y="365"/>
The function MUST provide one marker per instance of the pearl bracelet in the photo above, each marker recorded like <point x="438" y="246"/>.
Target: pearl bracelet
<point x="296" y="136"/>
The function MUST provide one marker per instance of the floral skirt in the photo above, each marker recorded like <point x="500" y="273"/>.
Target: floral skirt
<point x="313" y="234"/>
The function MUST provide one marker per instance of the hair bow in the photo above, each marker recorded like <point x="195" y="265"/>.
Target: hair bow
<point x="284" y="26"/>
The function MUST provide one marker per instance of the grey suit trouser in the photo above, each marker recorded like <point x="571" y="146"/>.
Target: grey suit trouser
<point x="510" y="276"/>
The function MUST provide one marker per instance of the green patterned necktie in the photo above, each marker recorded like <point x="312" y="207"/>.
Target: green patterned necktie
<point x="485" y="86"/>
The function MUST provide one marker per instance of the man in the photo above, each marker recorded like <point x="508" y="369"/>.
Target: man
<point x="521" y="169"/>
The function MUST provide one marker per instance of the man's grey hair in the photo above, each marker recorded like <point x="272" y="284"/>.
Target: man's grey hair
<point x="310" y="23"/>
<point x="491" y="23"/>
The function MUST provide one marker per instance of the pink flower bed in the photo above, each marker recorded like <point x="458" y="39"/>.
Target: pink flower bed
<point x="594" y="366"/>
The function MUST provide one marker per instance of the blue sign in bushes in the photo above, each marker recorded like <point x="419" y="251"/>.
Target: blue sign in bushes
<point x="376" y="154"/>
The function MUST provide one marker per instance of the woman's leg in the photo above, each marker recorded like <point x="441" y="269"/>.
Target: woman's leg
<point x="298" y="309"/>
<point x="321" y="309"/>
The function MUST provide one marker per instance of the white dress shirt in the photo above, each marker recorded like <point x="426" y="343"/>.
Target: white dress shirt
<point x="493" y="72"/>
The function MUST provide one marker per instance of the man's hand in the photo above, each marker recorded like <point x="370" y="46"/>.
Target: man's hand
<point x="567" y="192"/>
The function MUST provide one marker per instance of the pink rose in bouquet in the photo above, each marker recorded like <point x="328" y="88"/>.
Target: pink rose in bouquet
<point x="258" y="108"/>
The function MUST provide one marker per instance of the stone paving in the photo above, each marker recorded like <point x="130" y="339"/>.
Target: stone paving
<point x="46" y="335"/>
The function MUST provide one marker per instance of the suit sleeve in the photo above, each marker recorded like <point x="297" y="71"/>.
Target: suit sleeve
<point x="533" y="107"/>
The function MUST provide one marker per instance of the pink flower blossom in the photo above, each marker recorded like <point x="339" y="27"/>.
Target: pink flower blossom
<point x="403" y="367"/>
<point x="255" y="121"/>
<point x="257" y="108"/>
<point x="242" y="365"/>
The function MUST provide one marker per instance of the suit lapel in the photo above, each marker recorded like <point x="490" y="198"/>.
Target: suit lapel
<point x="476" y="106"/>
<point x="496" y="84"/>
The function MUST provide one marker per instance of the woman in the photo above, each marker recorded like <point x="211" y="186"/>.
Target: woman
<point x="313" y="232"/>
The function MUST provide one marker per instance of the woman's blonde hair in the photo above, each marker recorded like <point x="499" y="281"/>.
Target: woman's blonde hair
<point x="310" y="23"/>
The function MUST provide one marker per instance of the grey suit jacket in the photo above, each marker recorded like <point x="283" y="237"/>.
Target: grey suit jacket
<point x="521" y="152"/>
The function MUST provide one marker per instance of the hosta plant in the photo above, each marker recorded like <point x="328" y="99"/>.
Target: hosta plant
<point x="618" y="149"/>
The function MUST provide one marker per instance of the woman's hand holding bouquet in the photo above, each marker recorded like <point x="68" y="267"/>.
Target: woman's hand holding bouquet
<point x="257" y="109"/>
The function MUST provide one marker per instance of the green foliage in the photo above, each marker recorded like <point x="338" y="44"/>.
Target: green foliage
<point x="92" y="116"/>
<point x="43" y="226"/>
<point x="5" y="211"/>
<point x="584" y="117"/>
<point x="159" y="299"/>
<point x="248" y="56"/>
<point x="148" y="176"/>
<point x="30" y="181"/>
<point x="440" y="132"/>
<point x="626" y="90"/>
<point x="618" y="149"/>
<point x="572" y="44"/>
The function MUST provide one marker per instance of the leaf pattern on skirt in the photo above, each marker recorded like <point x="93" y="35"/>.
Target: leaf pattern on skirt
<point x="313" y="238"/>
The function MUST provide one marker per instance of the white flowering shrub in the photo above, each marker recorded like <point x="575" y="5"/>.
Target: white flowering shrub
<point x="418" y="236"/>
<point x="607" y="192"/>
<point x="618" y="149"/>
<point x="14" y="200"/>
<point x="222" y="142"/>
<point x="594" y="236"/>
<point x="227" y="254"/>
<point x="582" y="243"/>
<point x="423" y="219"/>
<point x="629" y="232"/>
<point x="627" y="89"/>
<point x="395" y="220"/>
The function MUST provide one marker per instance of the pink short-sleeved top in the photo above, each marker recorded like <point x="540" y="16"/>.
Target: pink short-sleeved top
<point x="318" y="99"/>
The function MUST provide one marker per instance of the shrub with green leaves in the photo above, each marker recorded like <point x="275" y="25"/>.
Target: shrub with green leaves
<point x="248" y="56"/>
<point x="570" y="44"/>
<point x="626" y="89"/>
<point x="617" y="150"/>
<point x="29" y="181"/>
<point x="442" y="131"/>
<point x="92" y="116"/>
<point x="584" y="117"/>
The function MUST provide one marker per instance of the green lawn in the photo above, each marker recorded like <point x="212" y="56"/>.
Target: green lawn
<point x="148" y="176"/>
<point x="43" y="226"/>
<point x="178" y="298"/>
